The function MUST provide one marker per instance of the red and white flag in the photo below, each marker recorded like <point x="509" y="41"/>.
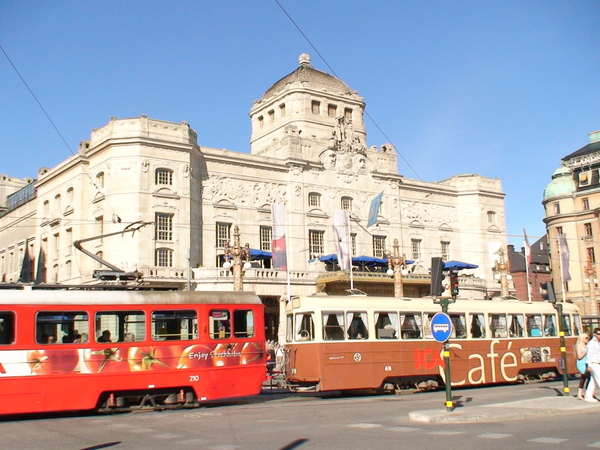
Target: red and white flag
<point x="278" y="239"/>
<point x="527" y="252"/>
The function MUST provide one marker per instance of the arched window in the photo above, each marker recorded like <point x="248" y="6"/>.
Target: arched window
<point x="163" y="176"/>
<point x="347" y="203"/>
<point x="314" y="199"/>
<point x="164" y="257"/>
<point x="100" y="180"/>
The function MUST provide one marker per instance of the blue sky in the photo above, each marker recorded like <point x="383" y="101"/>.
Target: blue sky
<point x="500" y="88"/>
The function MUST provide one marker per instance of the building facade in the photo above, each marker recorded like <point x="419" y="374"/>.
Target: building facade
<point x="572" y="203"/>
<point x="308" y="152"/>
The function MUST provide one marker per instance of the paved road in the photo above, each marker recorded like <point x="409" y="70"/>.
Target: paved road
<point x="283" y="421"/>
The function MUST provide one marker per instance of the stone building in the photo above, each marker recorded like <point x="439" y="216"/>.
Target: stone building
<point x="572" y="203"/>
<point x="308" y="152"/>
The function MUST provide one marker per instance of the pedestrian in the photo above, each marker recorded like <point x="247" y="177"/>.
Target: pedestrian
<point x="582" y="366"/>
<point x="593" y="359"/>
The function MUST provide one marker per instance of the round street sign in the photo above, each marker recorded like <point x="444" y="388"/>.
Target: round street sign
<point x="441" y="327"/>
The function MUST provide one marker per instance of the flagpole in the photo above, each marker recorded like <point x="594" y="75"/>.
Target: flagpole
<point x="562" y="282"/>
<point x="527" y="265"/>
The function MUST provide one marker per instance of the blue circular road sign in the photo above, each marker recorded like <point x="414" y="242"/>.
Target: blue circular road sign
<point x="441" y="327"/>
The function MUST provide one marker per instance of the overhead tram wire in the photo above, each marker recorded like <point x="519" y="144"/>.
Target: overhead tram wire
<point x="51" y="121"/>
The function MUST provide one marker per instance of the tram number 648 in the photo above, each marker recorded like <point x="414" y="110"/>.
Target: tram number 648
<point x="194" y="377"/>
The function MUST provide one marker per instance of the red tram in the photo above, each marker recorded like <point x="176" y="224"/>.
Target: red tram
<point x="383" y="343"/>
<point x="66" y="350"/>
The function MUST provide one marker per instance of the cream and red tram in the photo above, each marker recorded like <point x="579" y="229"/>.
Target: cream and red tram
<point x="361" y="342"/>
<point x="108" y="350"/>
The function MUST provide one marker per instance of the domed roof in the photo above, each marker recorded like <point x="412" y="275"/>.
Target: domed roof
<point x="309" y="76"/>
<point x="562" y="183"/>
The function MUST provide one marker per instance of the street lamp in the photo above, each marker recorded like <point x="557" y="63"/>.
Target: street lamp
<point x="397" y="268"/>
<point x="237" y="254"/>
<point x="591" y="280"/>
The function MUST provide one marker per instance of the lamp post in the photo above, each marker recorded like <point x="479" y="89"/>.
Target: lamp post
<point x="502" y="268"/>
<point x="237" y="254"/>
<point x="590" y="279"/>
<point x="397" y="264"/>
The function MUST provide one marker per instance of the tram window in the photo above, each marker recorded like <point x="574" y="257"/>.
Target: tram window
<point x="7" y="327"/>
<point x="174" y="325"/>
<point x="220" y="324"/>
<point x="243" y="323"/>
<point x="357" y="325"/>
<point x="289" y="329"/>
<point x="410" y="327"/>
<point x="61" y="327"/>
<point x="498" y="325"/>
<point x="334" y="326"/>
<point x="427" y="325"/>
<point x="386" y="325"/>
<point x="305" y="327"/>
<point x="549" y="325"/>
<point x="534" y="325"/>
<point x="459" y="328"/>
<point x="566" y="324"/>
<point x="477" y="326"/>
<point x="577" y="324"/>
<point x="516" y="325"/>
<point x="122" y="326"/>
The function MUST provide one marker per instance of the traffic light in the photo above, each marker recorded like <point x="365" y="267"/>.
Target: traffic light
<point x="454" y="282"/>
<point x="437" y="276"/>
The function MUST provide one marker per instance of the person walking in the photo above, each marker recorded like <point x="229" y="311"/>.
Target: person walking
<point x="582" y="367"/>
<point x="593" y="359"/>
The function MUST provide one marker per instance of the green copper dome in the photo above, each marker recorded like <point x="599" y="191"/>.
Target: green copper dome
<point x="562" y="183"/>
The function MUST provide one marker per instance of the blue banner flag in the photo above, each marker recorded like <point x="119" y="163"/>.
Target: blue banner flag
<point x="374" y="209"/>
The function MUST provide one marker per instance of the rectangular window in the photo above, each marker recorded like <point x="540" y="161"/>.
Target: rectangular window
<point x="289" y="328"/>
<point x="164" y="227"/>
<point x="7" y="327"/>
<point x="266" y="234"/>
<point x="305" y="326"/>
<point x="223" y="234"/>
<point x="358" y="327"/>
<point x="477" y="324"/>
<point x="583" y="179"/>
<point x="410" y="326"/>
<point x="498" y="325"/>
<point x="491" y="215"/>
<point x="315" y="243"/>
<point x="587" y="227"/>
<point x="379" y="246"/>
<point x="69" y="241"/>
<point x="591" y="254"/>
<point x="585" y="204"/>
<point x="348" y="113"/>
<point x="220" y="324"/>
<point x="120" y="326"/>
<point x="56" y="245"/>
<point x="243" y="323"/>
<point x="550" y="325"/>
<point x="459" y="328"/>
<point x="316" y="107"/>
<point x="415" y="245"/>
<point x="559" y="230"/>
<point x="445" y="251"/>
<point x="333" y="326"/>
<point x="61" y="327"/>
<point x="566" y="324"/>
<point x="556" y="208"/>
<point x="174" y="325"/>
<point x="331" y="110"/>
<point x="386" y="325"/>
<point x="516" y="325"/>
<point x="534" y="325"/>
<point x="164" y="257"/>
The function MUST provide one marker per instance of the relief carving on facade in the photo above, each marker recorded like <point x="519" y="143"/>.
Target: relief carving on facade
<point x="429" y="213"/>
<point x="217" y="188"/>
